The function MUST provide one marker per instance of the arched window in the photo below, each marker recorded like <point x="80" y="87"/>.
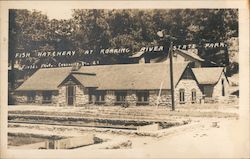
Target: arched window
<point x="193" y="98"/>
<point x="182" y="96"/>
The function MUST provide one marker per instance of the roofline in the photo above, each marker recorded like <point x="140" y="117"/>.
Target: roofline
<point x="217" y="79"/>
<point x="191" y="72"/>
<point x="221" y="75"/>
<point x="201" y="59"/>
<point x="70" y="74"/>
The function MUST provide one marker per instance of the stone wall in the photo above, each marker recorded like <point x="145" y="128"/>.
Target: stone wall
<point x="163" y="100"/>
<point x="110" y="98"/>
<point x="62" y="101"/>
<point x="188" y="86"/>
<point x="131" y="97"/>
<point x="81" y="96"/>
<point x="22" y="98"/>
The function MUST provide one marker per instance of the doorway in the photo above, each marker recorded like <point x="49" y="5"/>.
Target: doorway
<point x="223" y="88"/>
<point x="70" y="95"/>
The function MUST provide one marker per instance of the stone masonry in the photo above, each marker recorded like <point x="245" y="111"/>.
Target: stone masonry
<point x="188" y="86"/>
<point x="81" y="96"/>
<point x="110" y="98"/>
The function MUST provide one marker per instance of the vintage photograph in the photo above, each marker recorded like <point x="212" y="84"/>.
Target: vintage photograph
<point x="158" y="81"/>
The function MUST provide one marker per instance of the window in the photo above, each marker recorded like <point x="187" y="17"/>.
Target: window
<point x="70" y="95"/>
<point x="182" y="96"/>
<point x="31" y="97"/>
<point x="193" y="100"/>
<point x="47" y="95"/>
<point x="120" y="97"/>
<point x="100" y="97"/>
<point x="97" y="97"/>
<point x="142" y="97"/>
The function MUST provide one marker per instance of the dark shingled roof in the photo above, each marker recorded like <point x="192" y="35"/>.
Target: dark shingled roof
<point x="208" y="75"/>
<point x="109" y="77"/>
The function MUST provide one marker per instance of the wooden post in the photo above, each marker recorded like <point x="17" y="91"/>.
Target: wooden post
<point x="171" y="74"/>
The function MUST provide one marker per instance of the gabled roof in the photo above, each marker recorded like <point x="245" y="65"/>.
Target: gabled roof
<point x="45" y="79"/>
<point x="208" y="75"/>
<point x="87" y="80"/>
<point x="190" y="54"/>
<point x="109" y="77"/>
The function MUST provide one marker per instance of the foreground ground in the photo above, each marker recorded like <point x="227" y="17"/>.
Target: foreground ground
<point x="199" y="138"/>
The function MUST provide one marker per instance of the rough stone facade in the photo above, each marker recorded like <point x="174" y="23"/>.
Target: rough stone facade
<point x="163" y="100"/>
<point x="131" y="97"/>
<point x="110" y="98"/>
<point x="62" y="96"/>
<point x="22" y="98"/>
<point x="81" y="96"/>
<point x="188" y="86"/>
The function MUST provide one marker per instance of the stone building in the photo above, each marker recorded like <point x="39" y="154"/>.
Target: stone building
<point x="179" y="56"/>
<point x="212" y="81"/>
<point x="134" y="84"/>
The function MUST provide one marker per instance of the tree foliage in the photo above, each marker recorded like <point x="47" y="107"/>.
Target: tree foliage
<point x="32" y="31"/>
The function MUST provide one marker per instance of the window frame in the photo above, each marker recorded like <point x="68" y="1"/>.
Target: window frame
<point x="119" y="94"/>
<point x="99" y="97"/>
<point x="142" y="95"/>
<point x="182" y="96"/>
<point x="31" y="97"/>
<point x="193" y="95"/>
<point x="47" y="94"/>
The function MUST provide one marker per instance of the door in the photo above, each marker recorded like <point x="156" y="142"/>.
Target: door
<point x="70" y="95"/>
<point x="223" y="88"/>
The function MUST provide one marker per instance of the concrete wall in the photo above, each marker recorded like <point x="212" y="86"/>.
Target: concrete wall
<point x="188" y="86"/>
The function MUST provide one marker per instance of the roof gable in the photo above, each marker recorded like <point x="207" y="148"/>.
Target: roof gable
<point x="189" y="54"/>
<point x="45" y="79"/>
<point x="208" y="75"/>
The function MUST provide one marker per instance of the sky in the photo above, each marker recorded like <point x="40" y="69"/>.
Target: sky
<point x="57" y="13"/>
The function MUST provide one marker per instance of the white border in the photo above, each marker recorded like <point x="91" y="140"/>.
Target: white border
<point x="242" y="5"/>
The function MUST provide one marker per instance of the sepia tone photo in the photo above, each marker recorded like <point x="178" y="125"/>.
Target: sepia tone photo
<point x="148" y="83"/>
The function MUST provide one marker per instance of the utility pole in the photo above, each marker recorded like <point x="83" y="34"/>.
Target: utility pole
<point x="170" y="52"/>
<point x="171" y="74"/>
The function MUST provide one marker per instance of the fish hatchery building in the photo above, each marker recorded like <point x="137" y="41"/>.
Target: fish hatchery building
<point x="134" y="84"/>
